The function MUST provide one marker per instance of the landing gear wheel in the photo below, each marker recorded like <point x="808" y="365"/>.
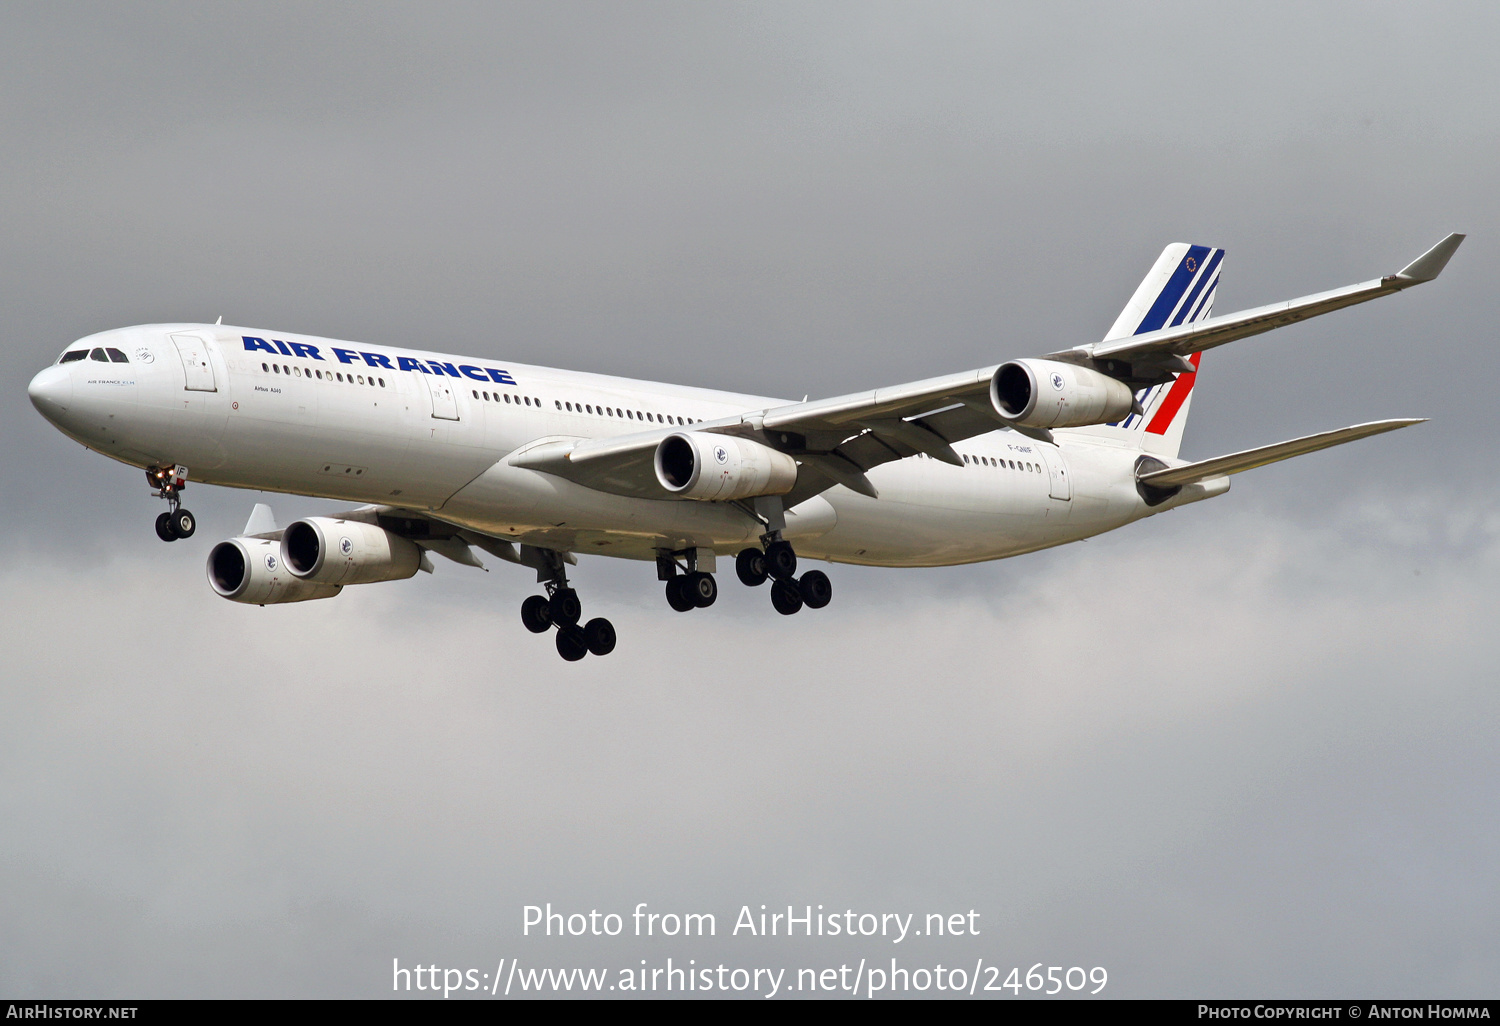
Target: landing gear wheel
<point x="564" y="608"/>
<point x="816" y="589"/>
<point x="164" y="528"/>
<point x="750" y="565"/>
<point x="571" y="644"/>
<point x="781" y="561"/>
<point x="786" y="597"/>
<point x="678" y="595"/>
<point x="599" y="636"/>
<point x="534" y="614"/>
<point x="702" y="588"/>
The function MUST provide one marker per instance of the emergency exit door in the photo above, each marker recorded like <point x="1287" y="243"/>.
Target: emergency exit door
<point x="195" y="363"/>
<point x="444" y="402"/>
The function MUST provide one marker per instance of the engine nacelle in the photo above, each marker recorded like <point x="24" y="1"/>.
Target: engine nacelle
<point x="699" y="465"/>
<point x="1048" y="394"/>
<point x="251" y="570"/>
<point x="325" y="550"/>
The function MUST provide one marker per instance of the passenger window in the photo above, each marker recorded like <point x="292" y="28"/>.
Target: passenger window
<point x="116" y="356"/>
<point x="77" y="354"/>
<point x="382" y="382"/>
<point x="276" y="368"/>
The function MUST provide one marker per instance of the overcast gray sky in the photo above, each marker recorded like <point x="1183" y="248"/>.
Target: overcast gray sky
<point x="1244" y="748"/>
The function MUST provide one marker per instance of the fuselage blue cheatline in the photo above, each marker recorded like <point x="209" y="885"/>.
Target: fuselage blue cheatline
<point x="450" y="454"/>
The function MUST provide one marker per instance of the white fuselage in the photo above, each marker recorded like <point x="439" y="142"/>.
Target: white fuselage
<point x="434" y="433"/>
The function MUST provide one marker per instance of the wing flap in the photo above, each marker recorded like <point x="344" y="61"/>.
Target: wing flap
<point x="1238" y="462"/>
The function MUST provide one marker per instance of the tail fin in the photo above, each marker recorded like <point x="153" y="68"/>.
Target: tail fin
<point x="1179" y="289"/>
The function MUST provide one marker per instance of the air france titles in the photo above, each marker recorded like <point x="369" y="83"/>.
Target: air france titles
<point x="301" y="350"/>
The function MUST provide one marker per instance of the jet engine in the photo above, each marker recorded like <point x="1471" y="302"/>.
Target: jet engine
<point x="251" y="570"/>
<point x="1048" y="394"/>
<point x="325" y="550"/>
<point x="699" y="465"/>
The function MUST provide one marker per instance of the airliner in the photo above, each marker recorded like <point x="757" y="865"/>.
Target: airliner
<point x="462" y="455"/>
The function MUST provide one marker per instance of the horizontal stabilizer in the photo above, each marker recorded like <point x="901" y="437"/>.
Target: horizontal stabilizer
<point x="1234" y="463"/>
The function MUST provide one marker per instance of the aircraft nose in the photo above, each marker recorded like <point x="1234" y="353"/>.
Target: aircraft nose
<point x="51" y="392"/>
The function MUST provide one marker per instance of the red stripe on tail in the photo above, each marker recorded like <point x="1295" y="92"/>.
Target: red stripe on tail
<point x="1174" y="400"/>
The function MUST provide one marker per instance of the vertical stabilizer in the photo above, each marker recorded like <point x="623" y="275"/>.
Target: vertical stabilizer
<point x="1179" y="289"/>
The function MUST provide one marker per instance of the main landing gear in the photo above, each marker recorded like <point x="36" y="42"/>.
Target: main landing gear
<point x="167" y="483"/>
<point x="694" y="587"/>
<point x="778" y="563"/>
<point x="560" y="608"/>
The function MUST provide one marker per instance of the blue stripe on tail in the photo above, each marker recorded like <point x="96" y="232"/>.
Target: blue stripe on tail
<point x="1203" y="279"/>
<point x="1172" y="293"/>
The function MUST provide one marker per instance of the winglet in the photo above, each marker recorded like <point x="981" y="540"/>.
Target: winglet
<point x="261" y="521"/>
<point x="1430" y="264"/>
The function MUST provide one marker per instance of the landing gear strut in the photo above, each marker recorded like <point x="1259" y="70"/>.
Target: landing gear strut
<point x="560" y="608"/>
<point x="694" y="587"/>
<point x="778" y="562"/>
<point x="167" y="483"/>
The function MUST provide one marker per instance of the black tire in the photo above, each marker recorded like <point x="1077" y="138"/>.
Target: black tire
<point x="678" y="596"/>
<point x="703" y="589"/>
<point x="184" y="524"/>
<point x="164" y="528"/>
<point x="564" y="607"/>
<point x="786" y="597"/>
<point x="781" y="561"/>
<point x="534" y="614"/>
<point x="571" y="644"/>
<point x="816" y="589"/>
<point x="750" y="565"/>
<point x="599" y="635"/>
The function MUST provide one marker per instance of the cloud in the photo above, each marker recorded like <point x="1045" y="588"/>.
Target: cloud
<point x="1205" y="766"/>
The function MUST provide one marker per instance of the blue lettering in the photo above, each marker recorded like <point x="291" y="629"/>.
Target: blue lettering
<point x="439" y="367"/>
<point x="282" y="346"/>
<point x="376" y="360"/>
<point x="345" y="355"/>
<point x="407" y="363"/>
<point x="305" y="351"/>
<point x="473" y="372"/>
<point x="501" y="377"/>
<point x="257" y="343"/>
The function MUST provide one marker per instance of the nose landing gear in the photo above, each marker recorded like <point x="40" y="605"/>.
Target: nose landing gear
<point x="561" y="608"/>
<point x="168" y="483"/>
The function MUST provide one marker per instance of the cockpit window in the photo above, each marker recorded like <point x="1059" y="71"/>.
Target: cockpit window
<point x="116" y="356"/>
<point x="98" y="354"/>
<point x="77" y="354"/>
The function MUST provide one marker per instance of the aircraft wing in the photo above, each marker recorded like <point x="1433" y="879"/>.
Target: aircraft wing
<point x="620" y="465"/>
<point x="835" y="441"/>
<point x="1169" y="343"/>
<point x="1235" y="463"/>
